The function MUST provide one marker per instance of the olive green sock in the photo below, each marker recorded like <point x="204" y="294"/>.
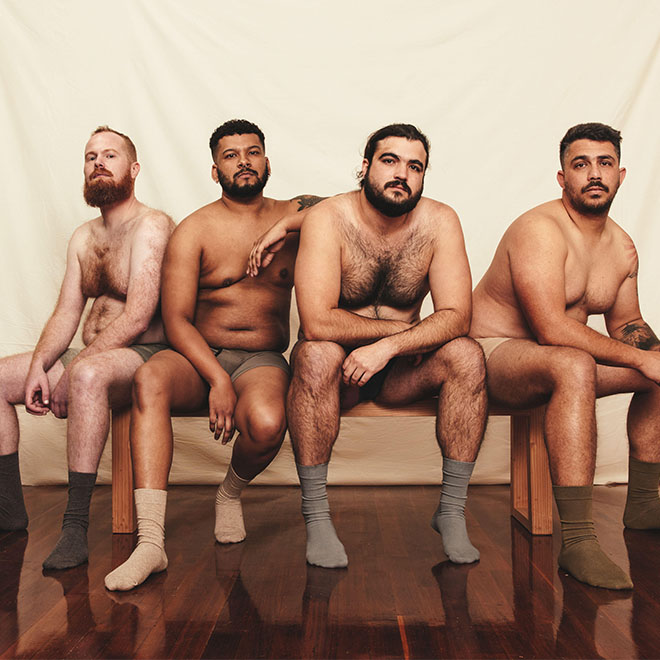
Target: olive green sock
<point x="581" y="556"/>
<point x="643" y="504"/>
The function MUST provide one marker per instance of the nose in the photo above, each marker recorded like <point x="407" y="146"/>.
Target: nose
<point x="401" y="172"/>
<point x="594" y="172"/>
<point x="244" y="160"/>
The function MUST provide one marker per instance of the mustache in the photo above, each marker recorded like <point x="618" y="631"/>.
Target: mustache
<point x="101" y="172"/>
<point x="243" y="171"/>
<point x="395" y="184"/>
<point x="596" y="184"/>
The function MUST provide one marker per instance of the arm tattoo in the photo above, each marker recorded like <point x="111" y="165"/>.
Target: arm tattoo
<point x="640" y="336"/>
<point x="305" y="201"/>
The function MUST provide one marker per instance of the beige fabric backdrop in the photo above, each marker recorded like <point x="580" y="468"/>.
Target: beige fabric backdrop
<point x="494" y="84"/>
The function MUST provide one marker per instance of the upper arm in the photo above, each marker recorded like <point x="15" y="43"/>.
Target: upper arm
<point x="71" y="299"/>
<point x="318" y="267"/>
<point x="537" y="255"/>
<point x="181" y="268"/>
<point x="146" y="259"/>
<point x="626" y="304"/>
<point x="450" y="280"/>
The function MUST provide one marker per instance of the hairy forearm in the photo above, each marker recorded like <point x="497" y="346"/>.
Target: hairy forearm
<point x="430" y="333"/>
<point x="185" y="338"/>
<point x="349" y="329"/>
<point x="55" y="338"/>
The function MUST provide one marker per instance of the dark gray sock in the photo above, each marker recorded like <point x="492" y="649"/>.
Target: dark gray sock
<point x="13" y="515"/>
<point x="71" y="547"/>
<point x="449" y="518"/>
<point x="323" y="546"/>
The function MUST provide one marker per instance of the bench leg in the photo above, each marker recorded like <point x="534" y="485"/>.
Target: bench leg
<point x="531" y="487"/>
<point x="123" y="506"/>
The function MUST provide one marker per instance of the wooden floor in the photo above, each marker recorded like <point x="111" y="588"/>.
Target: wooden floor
<point x="399" y="597"/>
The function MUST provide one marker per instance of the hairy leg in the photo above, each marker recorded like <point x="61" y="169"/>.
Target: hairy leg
<point x="523" y="373"/>
<point x="456" y="373"/>
<point x="261" y="422"/>
<point x="13" y="372"/>
<point x="95" y="384"/>
<point x="313" y="416"/>
<point x="642" y="504"/>
<point x="166" y="382"/>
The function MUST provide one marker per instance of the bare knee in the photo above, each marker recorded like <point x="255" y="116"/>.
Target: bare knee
<point x="572" y="368"/>
<point x="88" y="376"/>
<point x="317" y="363"/>
<point x="150" y="386"/>
<point x="266" y="426"/>
<point x="463" y="359"/>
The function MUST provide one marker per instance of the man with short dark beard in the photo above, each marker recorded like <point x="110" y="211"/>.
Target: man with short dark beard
<point x="228" y="331"/>
<point x="366" y="261"/>
<point x="555" y="266"/>
<point x="114" y="259"/>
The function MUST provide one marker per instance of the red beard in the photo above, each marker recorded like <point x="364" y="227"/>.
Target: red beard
<point x="105" y="191"/>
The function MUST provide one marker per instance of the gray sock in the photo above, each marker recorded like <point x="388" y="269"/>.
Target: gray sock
<point x="13" y="515"/>
<point x="323" y="547"/>
<point x="71" y="547"/>
<point x="449" y="518"/>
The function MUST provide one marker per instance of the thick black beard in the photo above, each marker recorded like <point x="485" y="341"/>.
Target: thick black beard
<point x="585" y="208"/>
<point x="245" y="190"/>
<point x="389" y="207"/>
<point x="106" y="192"/>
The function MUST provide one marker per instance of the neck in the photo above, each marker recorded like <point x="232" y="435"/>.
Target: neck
<point x="376" y="220"/>
<point x="116" y="214"/>
<point x="591" y="223"/>
<point x="243" y="205"/>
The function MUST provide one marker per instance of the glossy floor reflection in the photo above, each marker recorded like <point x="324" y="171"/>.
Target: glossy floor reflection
<point x="399" y="597"/>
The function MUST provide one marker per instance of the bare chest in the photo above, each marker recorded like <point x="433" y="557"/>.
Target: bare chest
<point x="381" y="274"/>
<point x="105" y="266"/>
<point x="592" y="284"/>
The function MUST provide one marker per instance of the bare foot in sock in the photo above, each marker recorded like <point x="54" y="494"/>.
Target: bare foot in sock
<point x="455" y="540"/>
<point x="587" y="562"/>
<point x="69" y="551"/>
<point x="323" y="545"/>
<point x="229" y="525"/>
<point x="13" y="515"/>
<point x="146" y="559"/>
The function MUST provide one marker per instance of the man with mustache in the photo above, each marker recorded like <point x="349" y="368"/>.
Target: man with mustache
<point x="228" y="331"/>
<point x="555" y="266"/>
<point x="114" y="259"/>
<point x="366" y="261"/>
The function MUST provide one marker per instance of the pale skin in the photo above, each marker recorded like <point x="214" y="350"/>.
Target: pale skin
<point x="209" y="301"/>
<point x="555" y="266"/>
<point x="360" y="281"/>
<point x="114" y="259"/>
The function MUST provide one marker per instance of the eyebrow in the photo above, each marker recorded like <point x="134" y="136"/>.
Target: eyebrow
<point x="585" y="157"/>
<point x="390" y="154"/>
<point x="100" y="151"/>
<point x="254" y="146"/>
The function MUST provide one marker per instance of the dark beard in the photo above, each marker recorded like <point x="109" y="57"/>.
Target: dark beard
<point x="388" y="207"/>
<point x="105" y="191"/>
<point x="589" y="207"/>
<point x="243" y="191"/>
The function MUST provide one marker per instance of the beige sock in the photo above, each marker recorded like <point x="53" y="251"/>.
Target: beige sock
<point x="149" y="555"/>
<point x="229" y="526"/>
<point x="581" y="554"/>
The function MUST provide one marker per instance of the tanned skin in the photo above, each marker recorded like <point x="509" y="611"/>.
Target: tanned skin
<point x="555" y="266"/>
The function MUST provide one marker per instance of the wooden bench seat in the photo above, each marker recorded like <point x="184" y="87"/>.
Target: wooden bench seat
<point x="531" y="489"/>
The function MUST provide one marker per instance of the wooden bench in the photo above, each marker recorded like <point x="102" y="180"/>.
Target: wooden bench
<point x="531" y="489"/>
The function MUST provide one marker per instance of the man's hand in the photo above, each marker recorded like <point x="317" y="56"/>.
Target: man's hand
<point x="60" y="397"/>
<point x="37" y="393"/>
<point x="265" y="248"/>
<point x="650" y="366"/>
<point x="222" y="401"/>
<point x="362" y="363"/>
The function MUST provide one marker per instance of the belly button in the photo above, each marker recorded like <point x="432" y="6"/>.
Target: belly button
<point x="284" y="272"/>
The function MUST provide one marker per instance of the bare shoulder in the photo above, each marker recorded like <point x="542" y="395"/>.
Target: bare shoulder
<point x="155" y="223"/>
<point x="435" y="215"/>
<point x="542" y="224"/>
<point x="329" y="213"/>
<point x="625" y="247"/>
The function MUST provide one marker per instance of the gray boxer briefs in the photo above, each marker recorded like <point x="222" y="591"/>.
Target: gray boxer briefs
<point x="236" y="362"/>
<point x="145" y="351"/>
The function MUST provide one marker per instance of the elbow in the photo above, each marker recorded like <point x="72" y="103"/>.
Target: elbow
<point x="314" y="331"/>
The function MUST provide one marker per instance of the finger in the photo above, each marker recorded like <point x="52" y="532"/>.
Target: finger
<point x="229" y="429"/>
<point x="45" y="392"/>
<point x="212" y="421"/>
<point x="267" y="258"/>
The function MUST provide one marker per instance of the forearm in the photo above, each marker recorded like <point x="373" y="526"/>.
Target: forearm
<point x="55" y="339"/>
<point x="606" y="350"/>
<point x="427" y="335"/>
<point x="638" y="334"/>
<point x="185" y="338"/>
<point x="349" y="329"/>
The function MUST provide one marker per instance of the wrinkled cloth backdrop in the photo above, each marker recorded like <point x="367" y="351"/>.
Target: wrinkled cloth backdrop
<point x="494" y="84"/>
